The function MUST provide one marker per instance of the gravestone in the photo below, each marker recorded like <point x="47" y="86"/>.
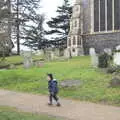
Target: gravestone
<point x="12" y="66"/>
<point x="94" y="57"/>
<point x="108" y="51"/>
<point x="67" y="53"/>
<point x="52" y="55"/>
<point x="28" y="62"/>
<point x="116" y="57"/>
<point x="39" y="52"/>
<point x="40" y="64"/>
<point x="118" y="47"/>
<point x="48" y="56"/>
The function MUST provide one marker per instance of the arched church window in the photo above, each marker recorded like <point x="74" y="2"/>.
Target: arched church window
<point x="117" y="14"/>
<point x="75" y="23"/>
<point x="74" y="40"/>
<point x="96" y="15"/>
<point x="69" y="42"/>
<point x="106" y="15"/>
<point x="109" y="15"/>
<point x="73" y="49"/>
<point x="79" y="41"/>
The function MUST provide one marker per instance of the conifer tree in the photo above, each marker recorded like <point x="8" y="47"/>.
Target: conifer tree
<point x="60" y="25"/>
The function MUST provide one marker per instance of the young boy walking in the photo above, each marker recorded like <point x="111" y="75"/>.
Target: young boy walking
<point x="53" y="90"/>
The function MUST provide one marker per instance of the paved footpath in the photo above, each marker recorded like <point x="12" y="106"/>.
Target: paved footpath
<point x="72" y="110"/>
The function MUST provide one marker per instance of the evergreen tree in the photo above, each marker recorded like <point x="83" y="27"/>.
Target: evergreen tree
<point x="60" y="25"/>
<point x="34" y="34"/>
<point x="24" y="12"/>
<point x="5" y="29"/>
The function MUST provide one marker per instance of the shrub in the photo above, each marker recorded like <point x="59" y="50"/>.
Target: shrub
<point x="104" y="60"/>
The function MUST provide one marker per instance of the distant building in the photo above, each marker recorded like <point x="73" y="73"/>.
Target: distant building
<point x="94" y="24"/>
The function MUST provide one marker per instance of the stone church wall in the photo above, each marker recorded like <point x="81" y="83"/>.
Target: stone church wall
<point x="101" y="41"/>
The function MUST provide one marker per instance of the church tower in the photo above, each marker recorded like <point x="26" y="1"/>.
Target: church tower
<point x="74" y="42"/>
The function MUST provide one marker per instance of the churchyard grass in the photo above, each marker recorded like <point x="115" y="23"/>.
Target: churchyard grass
<point x="94" y="86"/>
<point x="12" y="114"/>
<point x="16" y="60"/>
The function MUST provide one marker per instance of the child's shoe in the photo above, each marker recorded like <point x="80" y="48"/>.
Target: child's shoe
<point x="50" y="104"/>
<point x="58" y="104"/>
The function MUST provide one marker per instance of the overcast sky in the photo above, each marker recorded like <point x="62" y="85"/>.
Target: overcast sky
<point x="49" y="7"/>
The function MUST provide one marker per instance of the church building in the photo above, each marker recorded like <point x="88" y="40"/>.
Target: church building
<point x="94" y="24"/>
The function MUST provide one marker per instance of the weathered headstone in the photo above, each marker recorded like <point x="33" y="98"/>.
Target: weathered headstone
<point x="67" y="53"/>
<point x="28" y="62"/>
<point x="94" y="57"/>
<point x="118" y="47"/>
<point x="48" y="56"/>
<point x="12" y="66"/>
<point x="108" y="51"/>
<point x="39" y="52"/>
<point x="52" y="55"/>
<point x="116" y="57"/>
<point x="40" y="64"/>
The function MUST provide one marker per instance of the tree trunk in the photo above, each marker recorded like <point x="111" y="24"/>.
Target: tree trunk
<point x="18" y="30"/>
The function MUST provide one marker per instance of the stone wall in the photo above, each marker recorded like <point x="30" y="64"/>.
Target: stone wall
<point x="83" y="15"/>
<point x="101" y="41"/>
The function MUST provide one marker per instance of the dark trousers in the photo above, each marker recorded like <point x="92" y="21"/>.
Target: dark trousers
<point x="53" y="96"/>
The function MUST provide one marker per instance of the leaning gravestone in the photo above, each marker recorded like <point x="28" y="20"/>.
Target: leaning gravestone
<point x="94" y="57"/>
<point x="28" y="62"/>
<point x="116" y="56"/>
<point x="108" y="51"/>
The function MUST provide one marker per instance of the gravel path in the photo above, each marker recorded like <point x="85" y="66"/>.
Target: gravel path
<point x="72" y="110"/>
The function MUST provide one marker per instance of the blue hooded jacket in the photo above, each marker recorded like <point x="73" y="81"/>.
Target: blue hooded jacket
<point x="53" y="86"/>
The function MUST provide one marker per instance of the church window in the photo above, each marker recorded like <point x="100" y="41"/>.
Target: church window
<point x="79" y="41"/>
<point x="74" y="40"/>
<point x="102" y="15"/>
<point x="69" y="42"/>
<point x="73" y="49"/>
<point x="106" y="15"/>
<point x="109" y="14"/>
<point x="117" y="14"/>
<point x="75" y="23"/>
<point x="96" y="15"/>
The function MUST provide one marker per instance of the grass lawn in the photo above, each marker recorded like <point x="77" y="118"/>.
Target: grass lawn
<point x="95" y="86"/>
<point x="12" y="114"/>
<point x="16" y="60"/>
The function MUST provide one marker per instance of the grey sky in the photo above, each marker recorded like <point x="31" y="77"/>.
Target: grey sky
<point x="49" y="7"/>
